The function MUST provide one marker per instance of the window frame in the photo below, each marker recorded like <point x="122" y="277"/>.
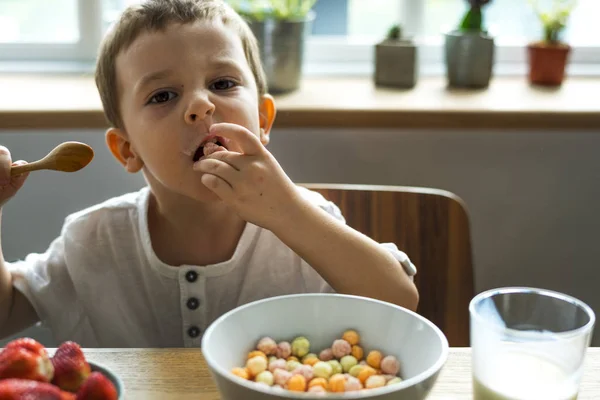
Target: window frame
<point x="326" y="55"/>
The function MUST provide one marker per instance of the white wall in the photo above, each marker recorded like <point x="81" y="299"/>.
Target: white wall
<point x="532" y="196"/>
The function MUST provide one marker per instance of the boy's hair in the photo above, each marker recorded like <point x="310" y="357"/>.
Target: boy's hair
<point x="156" y="15"/>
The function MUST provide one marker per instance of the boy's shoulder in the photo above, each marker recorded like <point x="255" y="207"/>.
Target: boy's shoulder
<point x="108" y="209"/>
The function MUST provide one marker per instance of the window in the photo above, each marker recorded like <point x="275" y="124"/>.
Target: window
<point x="49" y="30"/>
<point x="342" y="39"/>
<point x="514" y="21"/>
<point x="27" y="22"/>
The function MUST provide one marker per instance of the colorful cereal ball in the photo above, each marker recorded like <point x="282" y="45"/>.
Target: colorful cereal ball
<point x="323" y="369"/>
<point x="267" y="346"/>
<point x="352" y="384"/>
<point x="317" y="389"/>
<point x="300" y="346"/>
<point x="337" y="383"/>
<point x="278" y="363"/>
<point x="318" y="382"/>
<point x="284" y="350"/>
<point x="310" y="359"/>
<point x="375" y="381"/>
<point x="374" y="359"/>
<point x="354" y="371"/>
<point x="348" y="362"/>
<point x="256" y="353"/>
<point x="304" y="370"/>
<point x="336" y="367"/>
<point x="365" y="373"/>
<point x="256" y="365"/>
<point x="351" y="336"/>
<point x="357" y="352"/>
<point x="390" y="365"/>
<point x="265" y="377"/>
<point x="341" y="348"/>
<point x="292" y="365"/>
<point x="241" y="372"/>
<point x="326" y="355"/>
<point x="296" y="383"/>
<point x="281" y="376"/>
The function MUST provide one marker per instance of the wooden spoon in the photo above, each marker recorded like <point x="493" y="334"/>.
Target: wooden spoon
<point x="66" y="157"/>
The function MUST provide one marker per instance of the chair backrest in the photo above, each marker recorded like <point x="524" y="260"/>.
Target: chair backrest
<point x="432" y="227"/>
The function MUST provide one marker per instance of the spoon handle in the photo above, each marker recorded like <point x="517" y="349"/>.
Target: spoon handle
<point x="21" y="169"/>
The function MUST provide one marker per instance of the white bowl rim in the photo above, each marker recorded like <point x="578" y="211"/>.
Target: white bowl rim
<point x="346" y="395"/>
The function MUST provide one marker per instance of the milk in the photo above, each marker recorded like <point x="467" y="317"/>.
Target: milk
<point x="522" y="376"/>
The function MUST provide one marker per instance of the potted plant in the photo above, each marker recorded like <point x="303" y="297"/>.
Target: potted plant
<point x="548" y="57"/>
<point x="281" y="28"/>
<point x="469" y="50"/>
<point x="395" y="60"/>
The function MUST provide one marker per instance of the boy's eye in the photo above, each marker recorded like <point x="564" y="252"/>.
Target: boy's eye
<point x="223" y="84"/>
<point x="162" y="97"/>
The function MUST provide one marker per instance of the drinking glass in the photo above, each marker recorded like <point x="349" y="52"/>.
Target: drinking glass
<point x="528" y="344"/>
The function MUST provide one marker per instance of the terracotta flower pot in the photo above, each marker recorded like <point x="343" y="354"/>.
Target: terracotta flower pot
<point x="547" y="63"/>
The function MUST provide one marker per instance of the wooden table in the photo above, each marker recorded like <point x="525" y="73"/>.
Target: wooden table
<point x="181" y="374"/>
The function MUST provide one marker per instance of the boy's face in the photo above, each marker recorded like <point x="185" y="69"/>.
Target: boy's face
<point x="173" y="85"/>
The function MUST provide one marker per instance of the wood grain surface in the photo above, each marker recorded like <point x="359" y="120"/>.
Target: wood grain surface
<point x="182" y="374"/>
<point x="72" y="101"/>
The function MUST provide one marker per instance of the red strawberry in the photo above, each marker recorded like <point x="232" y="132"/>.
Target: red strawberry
<point x="20" y="389"/>
<point x="29" y="344"/>
<point x="97" y="387"/>
<point x="26" y="359"/>
<point x="70" y="367"/>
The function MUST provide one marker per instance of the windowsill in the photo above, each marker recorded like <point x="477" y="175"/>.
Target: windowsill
<point x="55" y="100"/>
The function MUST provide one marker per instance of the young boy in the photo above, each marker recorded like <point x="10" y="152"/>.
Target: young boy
<point x="219" y="224"/>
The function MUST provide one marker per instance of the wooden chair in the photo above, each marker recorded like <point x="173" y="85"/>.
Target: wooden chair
<point x="432" y="227"/>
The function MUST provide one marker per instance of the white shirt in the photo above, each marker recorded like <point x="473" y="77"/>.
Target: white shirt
<point x="101" y="284"/>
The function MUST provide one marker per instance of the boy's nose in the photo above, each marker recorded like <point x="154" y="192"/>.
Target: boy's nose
<point x="198" y="110"/>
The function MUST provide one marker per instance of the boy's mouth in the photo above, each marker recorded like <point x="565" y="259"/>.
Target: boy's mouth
<point x="209" y="146"/>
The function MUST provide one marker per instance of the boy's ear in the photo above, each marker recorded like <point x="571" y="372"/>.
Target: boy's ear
<point x="266" y="112"/>
<point x="120" y="147"/>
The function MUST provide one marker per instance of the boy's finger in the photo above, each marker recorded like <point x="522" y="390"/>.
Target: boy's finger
<point x="5" y="163"/>
<point x="24" y="174"/>
<point x="246" y="139"/>
<point x="236" y="160"/>
<point x="218" y="168"/>
<point x="218" y="186"/>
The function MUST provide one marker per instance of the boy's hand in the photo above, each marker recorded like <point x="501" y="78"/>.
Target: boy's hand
<point x="9" y="186"/>
<point x="252" y="182"/>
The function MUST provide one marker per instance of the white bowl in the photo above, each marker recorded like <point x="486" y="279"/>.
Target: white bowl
<point x="420" y="346"/>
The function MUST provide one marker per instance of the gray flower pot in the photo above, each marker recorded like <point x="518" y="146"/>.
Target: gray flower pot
<point x="469" y="59"/>
<point x="281" y="45"/>
<point x="396" y="63"/>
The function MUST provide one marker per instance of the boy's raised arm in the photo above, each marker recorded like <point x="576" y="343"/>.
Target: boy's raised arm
<point x="255" y="185"/>
<point x="349" y="261"/>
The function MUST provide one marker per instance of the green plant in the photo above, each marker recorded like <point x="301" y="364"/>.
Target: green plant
<point x="473" y="19"/>
<point x="554" y="21"/>
<point x="278" y="9"/>
<point x="395" y="33"/>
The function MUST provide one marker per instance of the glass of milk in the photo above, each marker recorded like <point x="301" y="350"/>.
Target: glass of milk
<point x="528" y="344"/>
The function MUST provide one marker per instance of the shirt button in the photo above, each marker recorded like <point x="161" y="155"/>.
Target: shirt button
<point x="193" y="331"/>
<point x="193" y="303"/>
<point x="191" y="276"/>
